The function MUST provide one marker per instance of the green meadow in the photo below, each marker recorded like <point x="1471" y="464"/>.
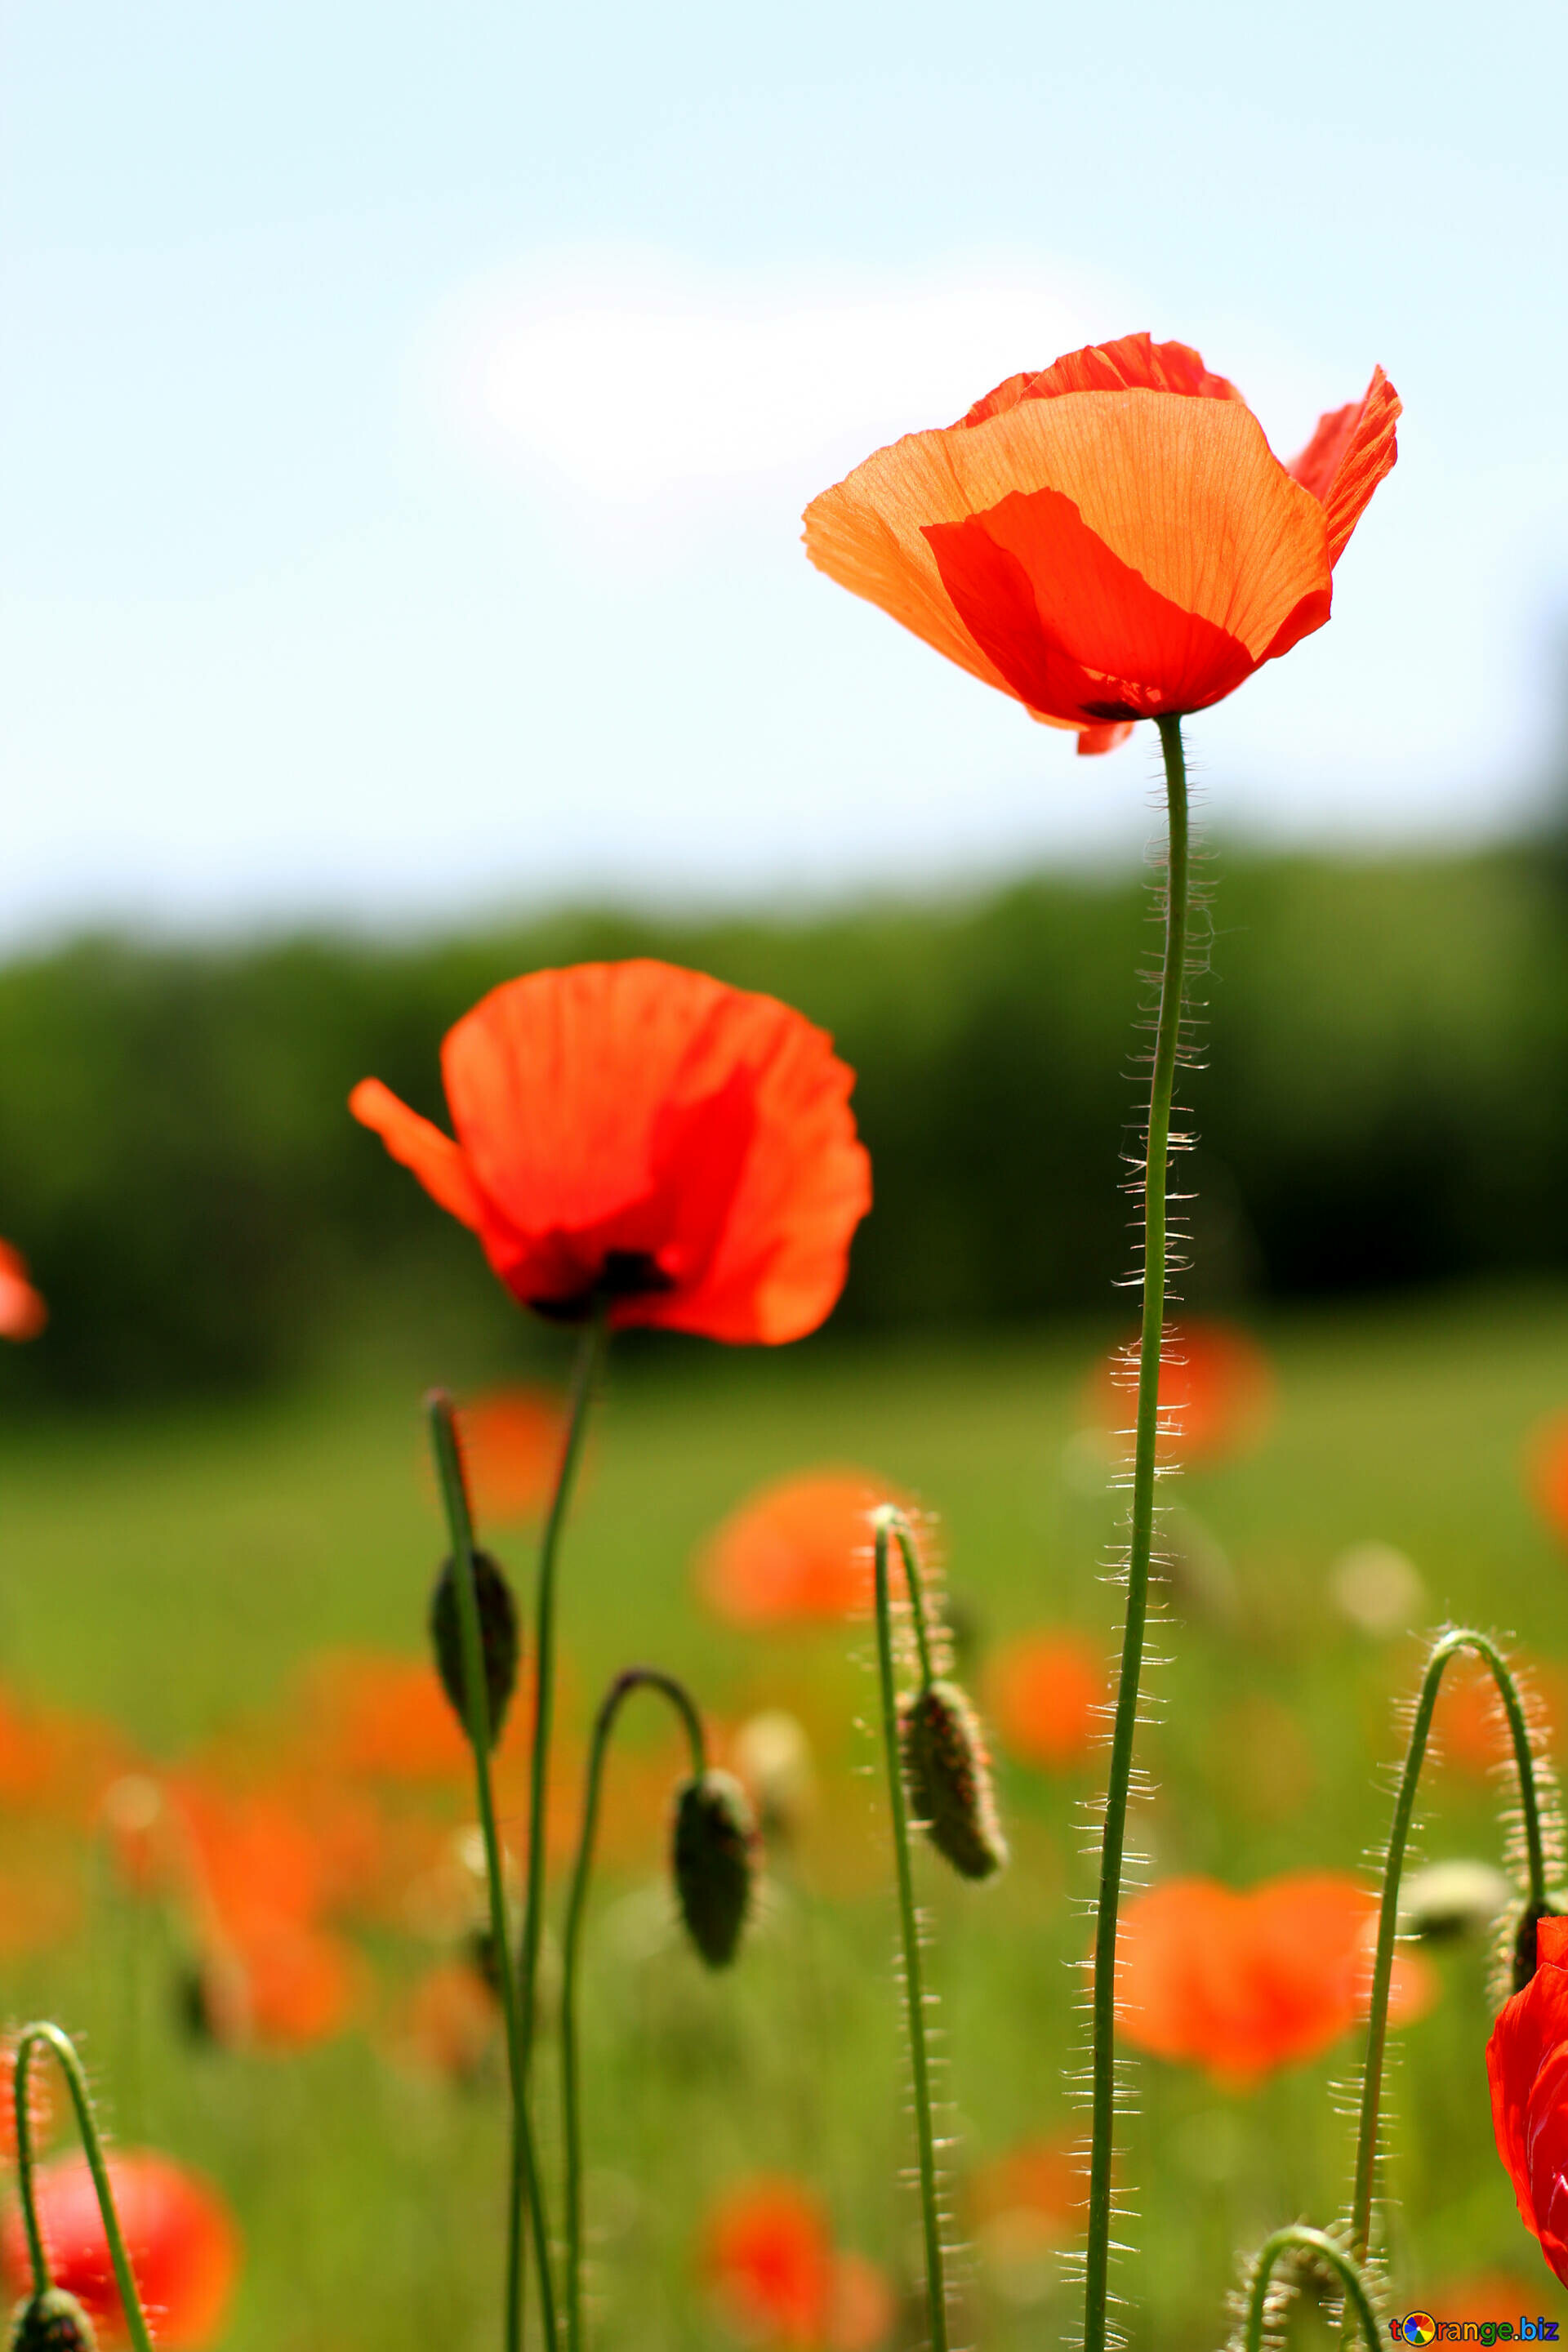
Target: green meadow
<point x="173" y="1572"/>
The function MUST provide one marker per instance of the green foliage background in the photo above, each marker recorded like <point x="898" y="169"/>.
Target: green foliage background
<point x="1388" y="1105"/>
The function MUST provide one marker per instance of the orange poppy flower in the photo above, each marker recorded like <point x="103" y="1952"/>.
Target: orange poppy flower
<point x="511" y="1449"/>
<point x="1471" y="1733"/>
<point x="23" y="1313"/>
<point x="1216" y="1391"/>
<point x="1046" y="1692"/>
<point x="1111" y="540"/>
<point x="1546" y="1473"/>
<point x="1527" y="2065"/>
<point x="769" y="2259"/>
<point x="1243" y="1983"/>
<point x="798" y="1551"/>
<point x="645" y="1137"/>
<point x="183" y="2241"/>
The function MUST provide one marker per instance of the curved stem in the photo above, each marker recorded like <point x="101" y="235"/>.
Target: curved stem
<point x="890" y="1518"/>
<point x="620" y="1690"/>
<point x="585" y="1373"/>
<point x="524" y="2183"/>
<point x="1140" y="1539"/>
<point x="1318" y="2241"/>
<point x="1449" y="1646"/>
<point x="887" y="1522"/>
<point x="70" y="2067"/>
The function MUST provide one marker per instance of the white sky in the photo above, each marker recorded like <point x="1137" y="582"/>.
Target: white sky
<point x="407" y="413"/>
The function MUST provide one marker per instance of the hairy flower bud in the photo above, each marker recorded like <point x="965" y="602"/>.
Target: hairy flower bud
<point x="53" y="2321"/>
<point x="714" y="1850"/>
<point x="947" y="1773"/>
<point x="498" y="1638"/>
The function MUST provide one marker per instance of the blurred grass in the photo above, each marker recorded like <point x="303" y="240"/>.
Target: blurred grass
<point x="172" y="1573"/>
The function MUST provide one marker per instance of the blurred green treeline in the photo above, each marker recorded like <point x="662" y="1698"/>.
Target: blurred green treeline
<point x="1387" y="1104"/>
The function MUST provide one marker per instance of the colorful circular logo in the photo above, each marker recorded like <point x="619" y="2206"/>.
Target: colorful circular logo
<point x="1420" y="2327"/>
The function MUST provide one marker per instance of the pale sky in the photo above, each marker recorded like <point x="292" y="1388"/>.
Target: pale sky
<point x="407" y="411"/>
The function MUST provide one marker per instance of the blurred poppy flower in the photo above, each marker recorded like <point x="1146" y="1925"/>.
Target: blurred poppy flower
<point x="1471" y="1733"/>
<point x="383" y="1719"/>
<point x="1243" y="1983"/>
<point x="1216" y="1391"/>
<point x="1546" y="1472"/>
<point x="449" y="2024"/>
<point x="23" y="1313"/>
<point x="283" y="1985"/>
<point x="183" y="2241"/>
<point x="1527" y="2065"/>
<point x="769" y="2260"/>
<point x="1025" y="2207"/>
<point x="1044" y="1692"/>
<point x="1110" y="539"/>
<point x="511" y="1441"/>
<point x="798" y="1551"/>
<point x="644" y="1137"/>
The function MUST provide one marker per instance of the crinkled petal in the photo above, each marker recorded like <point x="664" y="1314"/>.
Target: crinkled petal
<point x="1347" y="455"/>
<point x="1133" y="363"/>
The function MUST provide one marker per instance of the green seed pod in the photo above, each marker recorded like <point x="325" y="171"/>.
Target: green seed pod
<point x="947" y="1773"/>
<point x="714" y="1851"/>
<point x="53" y="2321"/>
<point x="498" y="1639"/>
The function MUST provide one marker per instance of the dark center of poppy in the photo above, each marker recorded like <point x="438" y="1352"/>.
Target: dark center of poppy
<point x="623" y="1274"/>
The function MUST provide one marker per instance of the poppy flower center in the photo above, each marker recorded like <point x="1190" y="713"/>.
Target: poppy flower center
<point x="623" y="1274"/>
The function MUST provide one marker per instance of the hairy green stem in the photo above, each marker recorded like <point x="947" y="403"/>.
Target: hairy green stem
<point x="1167" y="1037"/>
<point x="888" y="1522"/>
<point x="620" y="1690"/>
<point x="524" y="2183"/>
<point x="1448" y="1647"/>
<point x="1297" y="2234"/>
<point x="70" y="2067"/>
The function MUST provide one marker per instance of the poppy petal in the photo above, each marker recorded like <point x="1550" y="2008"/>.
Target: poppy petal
<point x="1041" y="592"/>
<point x="1347" y="455"/>
<point x="1092" y="740"/>
<point x="1132" y="363"/>
<point x="433" y="1157"/>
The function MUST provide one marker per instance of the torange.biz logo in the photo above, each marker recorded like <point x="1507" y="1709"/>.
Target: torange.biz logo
<point x="1420" y="2327"/>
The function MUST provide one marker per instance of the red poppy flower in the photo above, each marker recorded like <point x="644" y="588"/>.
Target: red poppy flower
<point x="643" y="1136"/>
<point x="23" y="1313"/>
<point x="1527" y="2063"/>
<point x="1111" y="540"/>
<point x="798" y="1551"/>
<point x="1243" y="1983"/>
<point x="1046" y="1692"/>
<point x="1216" y="1391"/>
<point x="769" y="2259"/>
<point x="183" y="2241"/>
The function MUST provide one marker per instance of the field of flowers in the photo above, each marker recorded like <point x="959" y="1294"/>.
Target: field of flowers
<point x="236" y="1853"/>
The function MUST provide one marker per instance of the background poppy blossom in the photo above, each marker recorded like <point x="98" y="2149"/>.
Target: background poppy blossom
<point x="773" y="2268"/>
<point x="1243" y="1982"/>
<point x="23" y="1313"/>
<point x="1047" y="1693"/>
<point x="1527" y="2066"/>
<point x="1110" y="539"/>
<point x="640" y="1135"/>
<point x="1216" y="1391"/>
<point x="183" y="2241"/>
<point x="798" y="1551"/>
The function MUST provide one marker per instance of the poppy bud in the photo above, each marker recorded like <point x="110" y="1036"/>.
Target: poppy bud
<point x="715" y="1841"/>
<point x="1519" y="1927"/>
<point x="948" y="1775"/>
<point x="53" y="2321"/>
<point x="498" y="1638"/>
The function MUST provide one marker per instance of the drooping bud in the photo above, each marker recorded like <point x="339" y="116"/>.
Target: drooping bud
<point x="947" y="1773"/>
<point x="714" y="1857"/>
<point x="53" y="2321"/>
<point x="498" y="1638"/>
